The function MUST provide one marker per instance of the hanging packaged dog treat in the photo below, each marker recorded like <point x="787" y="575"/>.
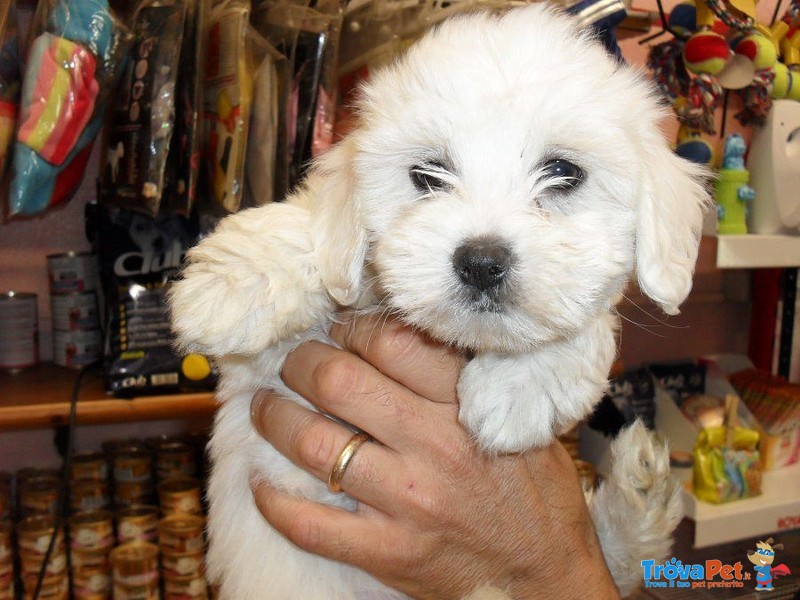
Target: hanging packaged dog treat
<point x="262" y="138"/>
<point x="727" y="464"/>
<point x="227" y="101"/>
<point x="143" y="119"/>
<point x="309" y="39"/>
<point x="270" y="120"/>
<point x="72" y="68"/>
<point x="9" y="79"/>
<point x="185" y="152"/>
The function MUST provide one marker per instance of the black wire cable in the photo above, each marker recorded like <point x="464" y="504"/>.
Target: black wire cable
<point x="665" y="27"/>
<point x="63" y="506"/>
<point x="775" y="12"/>
<point x="725" y="99"/>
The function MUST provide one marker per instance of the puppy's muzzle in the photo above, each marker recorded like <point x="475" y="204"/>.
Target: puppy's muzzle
<point x="482" y="263"/>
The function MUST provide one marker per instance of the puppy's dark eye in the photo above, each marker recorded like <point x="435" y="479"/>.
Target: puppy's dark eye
<point x="429" y="177"/>
<point x="565" y="175"/>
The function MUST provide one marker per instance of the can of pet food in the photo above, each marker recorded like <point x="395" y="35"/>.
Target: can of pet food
<point x="89" y="466"/>
<point x="175" y="460"/>
<point x="27" y="473"/>
<point x="19" y="330"/>
<point x="586" y="474"/>
<point x="6" y="557"/>
<point x="181" y="534"/>
<point x="72" y="272"/>
<point x="33" y="538"/>
<point x="54" y="587"/>
<point x="91" y="530"/>
<point x="91" y="583"/>
<point x="134" y="571"/>
<point x="180" y="496"/>
<point x="39" y="496"/>
<point x="133" y="493"/>
<point x="132" y="465"/>
<point x="183" y="565"/>
<point x="182" y="588"/>
<point x="7" y="586"/>
<point x="75" y="312"/>
<point x="6" y="499"/>
<point x="89" y="495"/>
<point x="138" y="522"/>
<point x="76" y="349"/>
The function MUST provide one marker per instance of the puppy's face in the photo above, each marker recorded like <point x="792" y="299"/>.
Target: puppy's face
<point x="498" y="173"/>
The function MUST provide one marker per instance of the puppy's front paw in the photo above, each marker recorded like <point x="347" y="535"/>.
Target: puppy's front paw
<point x="641" y="469"/>
<point x="499" y="405"/>
<point x="250" y="284"/>
<point x="638" y="507"/>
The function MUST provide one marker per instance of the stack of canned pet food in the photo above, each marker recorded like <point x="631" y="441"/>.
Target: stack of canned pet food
<point x="135" y="529"/>
<point x="34" y="538"/>
<point x="6" y="549"/>
<point x="19" y="331"/>
<point x="77" y="340"/>
<point x="180" y="531"/>
<point x="91" y="526"/>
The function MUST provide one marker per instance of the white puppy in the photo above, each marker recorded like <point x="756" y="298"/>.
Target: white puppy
<point x="505" y="180"/>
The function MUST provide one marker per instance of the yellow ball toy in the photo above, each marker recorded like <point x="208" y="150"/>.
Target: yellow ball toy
<point x="784" y="82"/>
<point x="758" y="49"/>
<point x="706" y="52"/>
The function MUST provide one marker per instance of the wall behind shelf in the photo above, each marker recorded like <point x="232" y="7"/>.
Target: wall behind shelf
<point x="25" y="244"/>
<point x="715" y="318"/>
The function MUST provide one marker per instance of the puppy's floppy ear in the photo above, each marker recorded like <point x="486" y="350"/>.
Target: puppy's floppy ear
<point x="340" y="242"/>
<point x="669" y="224"/>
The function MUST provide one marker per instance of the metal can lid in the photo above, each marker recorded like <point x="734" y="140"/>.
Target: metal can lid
<point x="90" y="516"/>
<point x="134" y="551"/>
<point x="69" y="254"/>
<point x="182" y="522"/>
<point x="138" y="510"/>
<point x="12" y="295"/>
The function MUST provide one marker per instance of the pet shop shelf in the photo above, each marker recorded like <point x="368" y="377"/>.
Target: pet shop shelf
<point x="755" y="251"/>
<point x="776" y="509"/>
<point x="39" y="397"/>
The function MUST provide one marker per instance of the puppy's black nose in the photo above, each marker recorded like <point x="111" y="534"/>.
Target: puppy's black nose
<point x="482" y="262"/>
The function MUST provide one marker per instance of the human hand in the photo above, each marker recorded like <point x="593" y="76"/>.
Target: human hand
<point x="436" y="518"/>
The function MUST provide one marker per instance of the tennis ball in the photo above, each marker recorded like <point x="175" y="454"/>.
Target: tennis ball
<point x="706" y="52"/>
<point x="794" y="86"/>
<point x="697" y="150"/>
<point x="759" y="49"/>
<point x="782" y="82"/>
<point x="683" y="19"/>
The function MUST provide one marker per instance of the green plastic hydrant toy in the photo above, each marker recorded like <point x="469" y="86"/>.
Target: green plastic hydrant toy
<point x="731" y="190"/>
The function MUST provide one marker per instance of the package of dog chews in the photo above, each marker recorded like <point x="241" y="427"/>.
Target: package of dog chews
<point x="138" y="256"/>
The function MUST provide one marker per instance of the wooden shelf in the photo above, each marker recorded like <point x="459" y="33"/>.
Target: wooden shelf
<point x="40" y="397"/>
<point x="753" y="251"/>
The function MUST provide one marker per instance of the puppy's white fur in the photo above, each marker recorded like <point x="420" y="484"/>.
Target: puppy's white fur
<point x="492" y="98"/>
